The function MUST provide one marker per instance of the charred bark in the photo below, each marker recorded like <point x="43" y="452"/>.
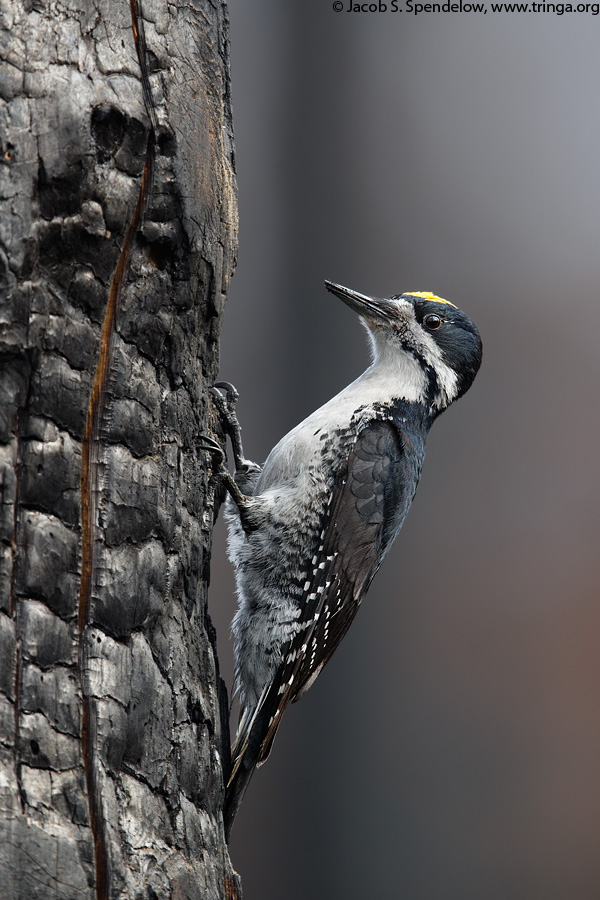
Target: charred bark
<point x="117" y="241"/>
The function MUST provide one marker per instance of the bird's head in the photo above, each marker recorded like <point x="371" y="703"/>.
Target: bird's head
<point x="439" y="341"/>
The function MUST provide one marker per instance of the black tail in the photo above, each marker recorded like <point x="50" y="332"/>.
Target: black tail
<point x="255" y="735"/>
<point x="237" y="788"/>
<point x="245" y="756"/>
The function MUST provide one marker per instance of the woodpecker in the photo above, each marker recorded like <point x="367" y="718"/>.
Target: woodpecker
<point x="310" y="528"/>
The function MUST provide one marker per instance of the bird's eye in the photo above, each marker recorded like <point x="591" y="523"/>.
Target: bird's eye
<point x="432" y="322"/>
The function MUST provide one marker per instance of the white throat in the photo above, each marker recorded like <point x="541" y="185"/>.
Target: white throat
<point x="404" y="369"/>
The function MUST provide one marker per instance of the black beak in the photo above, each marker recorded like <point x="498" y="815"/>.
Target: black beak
<point x="368" y="307"/>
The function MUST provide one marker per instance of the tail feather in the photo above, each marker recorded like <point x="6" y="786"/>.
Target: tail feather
<point x="248" y="718"/>
<point x="250" y="749"/>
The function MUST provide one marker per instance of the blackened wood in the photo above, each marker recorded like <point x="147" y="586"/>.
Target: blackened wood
<point x="117" y="241"/>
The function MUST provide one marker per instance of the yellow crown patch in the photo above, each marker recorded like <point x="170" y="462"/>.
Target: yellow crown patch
<point x="427" y="295"/>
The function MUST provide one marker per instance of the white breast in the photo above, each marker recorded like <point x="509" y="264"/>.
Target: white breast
<point x="397" y="377"/>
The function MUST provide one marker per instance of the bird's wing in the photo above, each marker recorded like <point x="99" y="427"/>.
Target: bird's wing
<point x="369" y="502"/>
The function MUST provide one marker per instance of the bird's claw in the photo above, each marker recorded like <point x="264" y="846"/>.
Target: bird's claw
<point x="224" y="397"/>
<point x="231" y="393"/>
<point x="205" y="442"/>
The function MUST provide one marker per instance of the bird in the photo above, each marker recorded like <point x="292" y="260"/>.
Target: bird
<point x="308" y="530"/>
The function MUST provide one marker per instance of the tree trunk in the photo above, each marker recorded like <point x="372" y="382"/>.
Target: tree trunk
<point x="117" y="241"/>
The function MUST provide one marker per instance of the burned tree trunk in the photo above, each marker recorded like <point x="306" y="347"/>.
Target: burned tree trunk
<point x="117" y="241"/>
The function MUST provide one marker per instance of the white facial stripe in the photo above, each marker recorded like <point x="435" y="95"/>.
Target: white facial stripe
<point x="447" y="377"/>
<point x="415" y="336"/>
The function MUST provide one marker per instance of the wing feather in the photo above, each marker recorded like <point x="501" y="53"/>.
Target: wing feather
<point x="369" y="501"/>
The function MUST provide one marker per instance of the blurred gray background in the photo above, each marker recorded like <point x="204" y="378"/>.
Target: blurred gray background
<point x="451" y="749"/>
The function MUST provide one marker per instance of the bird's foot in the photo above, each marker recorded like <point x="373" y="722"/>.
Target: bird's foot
<point x="205" y="442"/>
<point x="210" y="445"/>
<point x="224" y="397"/>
